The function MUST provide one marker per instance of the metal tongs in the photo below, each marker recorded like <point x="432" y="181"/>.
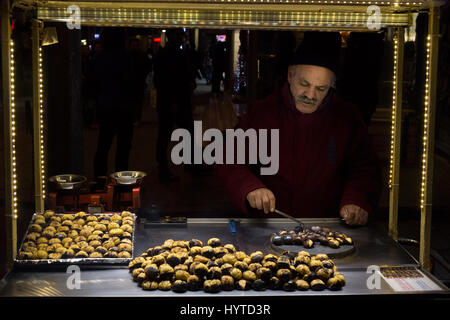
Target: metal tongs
<point x="291" y="218"/>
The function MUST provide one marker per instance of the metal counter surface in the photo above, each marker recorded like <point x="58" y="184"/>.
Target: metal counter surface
<point x="373" y="247"/>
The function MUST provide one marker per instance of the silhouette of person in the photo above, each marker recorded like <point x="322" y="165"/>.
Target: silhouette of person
<point x="361" y="71"/>
<point x="286" y="46"/>
<point x="174" y="78"/>
<point x="218" y="56"/>
<point x="140" y="66"/>
<point x="116" y="113"/>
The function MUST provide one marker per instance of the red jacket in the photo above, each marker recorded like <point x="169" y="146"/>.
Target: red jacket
<point x="325" y="159"/>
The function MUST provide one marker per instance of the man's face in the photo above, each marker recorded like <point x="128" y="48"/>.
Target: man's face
<point x="309" y="85"/>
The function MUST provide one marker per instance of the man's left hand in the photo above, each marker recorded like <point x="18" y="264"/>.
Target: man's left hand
<point x="354" y="215"/>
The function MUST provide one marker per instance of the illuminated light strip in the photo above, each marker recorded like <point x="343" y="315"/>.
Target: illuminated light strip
<point x="12" y="121"/>
<point x="425" y="125"/>
<point x="41" y="123"/>
<point x="394" y="110"/>
<point x="225" y="16"/>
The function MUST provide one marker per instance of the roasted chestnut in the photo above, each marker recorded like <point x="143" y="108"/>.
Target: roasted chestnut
<point x="124" y="254"/>
<point x="308" y="243"/>
<point x="315" y="264"/>
<point x="179" y="286"/>
<point x="303" y="259"/>
<point x="254" y="266"/>
<point x="264" y="273"/>
<point x="227" y="283"/>
<point x="241" y="255"/>
<point x="289" y="286"/>
<point x="259" y="285"/>
<point x="324" y="274"/>
<point x="199" y="269"/>
<point x="309" y="277"/>
<point x="212" y="286"/>
<point x="226" y="267"/>
<point x="181" y="275"/>
<point x="304" y="253"/>
<point x="236" y="273"/>
<point x="219" y="252"/>
<point x="165" y="285"/>
<point x="214" y="273"/>
<point x="270" y="265"/>
<point x="256" y="257"/>
<point x="334" y="243"/>
<point x="249" y="275"/>
<point x="229" y="258"/>
<point x="340" y="277"/>
<point x="302" y="269"/>
<point x="214" y="242"/>
<point x="81" y="254"/>
<point x="195" y="251"/>
<point x="273" y="283"/>
<point x="277" y="240"/>
<point x="150" y="285"/>
<point x="158" y="260"/>
<point x="195" y="243"/>
<point x="243" y="285"/>
<point x="208" y="252"/>
<point x="241" y="265"/>
<point x="173" y="260"/>
<point x="348" y="240"/>
<point x="297" y="240"/>
<point x="317" y="285"/>
<point x="302" y="285"/>
<point x="287" y="239"/>
<point x="284" y="275"/>
<point x="328" y="264"/>
<point x="152" y="271"/>
<point x="283" y="262"/>
<point x="194" y="283"/>
<point x="165" y="271"/>
<point x="231" y="248"/>
<point x="334" y="284"/>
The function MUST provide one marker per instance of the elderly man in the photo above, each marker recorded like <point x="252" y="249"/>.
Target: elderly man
<point x="326" y="166"/>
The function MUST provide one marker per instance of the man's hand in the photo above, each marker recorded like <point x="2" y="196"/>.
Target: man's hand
<point x="262" y="199"/>
<point x="354" y="215"/>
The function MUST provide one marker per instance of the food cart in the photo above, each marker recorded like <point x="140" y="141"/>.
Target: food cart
<point x="373" y="247"/>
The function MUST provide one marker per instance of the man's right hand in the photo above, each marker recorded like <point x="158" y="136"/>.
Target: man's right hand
<point x="262" y="199"/>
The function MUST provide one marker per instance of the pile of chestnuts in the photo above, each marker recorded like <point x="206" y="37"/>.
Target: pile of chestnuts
<point x="80" y="235"/>
<point x="308" y="237"/>
<point x="189" y="265"/>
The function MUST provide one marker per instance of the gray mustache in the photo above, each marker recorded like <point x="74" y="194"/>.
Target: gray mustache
<point x="305" y="99"/>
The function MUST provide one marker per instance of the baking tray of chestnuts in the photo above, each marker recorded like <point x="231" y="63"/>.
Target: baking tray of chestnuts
<point x="54" y="239"/>
<point x="314" y="239"/>
<point x="212" y="267"/>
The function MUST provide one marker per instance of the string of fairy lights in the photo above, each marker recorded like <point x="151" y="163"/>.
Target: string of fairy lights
<point x="394" y="111"/>
<point x="41" y="124"/>
<point x="425" y="125"/>
<point x="13" y="133"/>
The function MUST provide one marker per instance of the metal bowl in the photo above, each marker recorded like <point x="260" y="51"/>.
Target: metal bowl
<point x="68" y="181"/>
<point x="127" y="177"/>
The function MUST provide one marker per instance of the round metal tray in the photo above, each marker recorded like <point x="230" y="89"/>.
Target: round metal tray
<point x="127" y="177"/>
<point x="68" y="181"/>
